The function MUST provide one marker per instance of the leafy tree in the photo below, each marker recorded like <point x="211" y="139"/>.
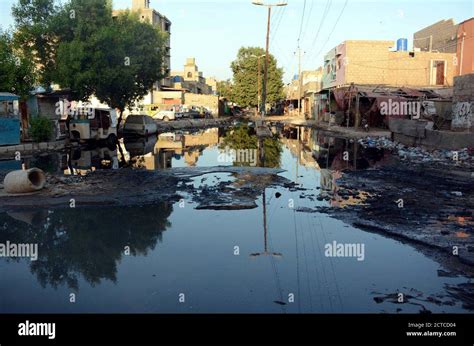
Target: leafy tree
<point x="117" y="60"/>
<point x="245" y="70"/>
<point x="129" y="61"/>
<point x="224" y="89"/>
<point x="16" y="70"/>
<point x="34" y="35"/>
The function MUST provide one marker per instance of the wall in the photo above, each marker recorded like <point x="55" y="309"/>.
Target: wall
<point x="413" y="133"/>
<point x="164" y="97"/>
<point x="465" y="45"/>
<point x="371" y="62"/>
<point x="209" y="101"/>
<point x="463" y="103"/>
<point x="443" y="35"/>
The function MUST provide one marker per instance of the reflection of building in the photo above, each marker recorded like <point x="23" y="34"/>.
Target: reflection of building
<point x="142" y="7"/>
<point x="172" y="145"/>
<point x="85" y="161"/>
<point x="191" y="79"/>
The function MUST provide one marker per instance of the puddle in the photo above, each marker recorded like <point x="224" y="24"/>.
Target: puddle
<point x="141" y="258"/>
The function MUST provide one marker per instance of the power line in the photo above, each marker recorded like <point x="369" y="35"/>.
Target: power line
<point x="302" y="21"/>
<point x="278" y="24"/>
<point x="334" y="27"/>
<point x="323" y="17"/>
<point x="308" y="20"/>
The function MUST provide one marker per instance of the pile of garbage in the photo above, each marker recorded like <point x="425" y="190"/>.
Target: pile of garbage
<point x="463" y="157"/>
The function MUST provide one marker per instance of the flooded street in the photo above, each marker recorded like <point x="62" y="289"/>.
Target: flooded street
<point x="236" y="253"/>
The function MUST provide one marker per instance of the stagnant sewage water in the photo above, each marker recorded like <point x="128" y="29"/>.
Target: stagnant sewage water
<point x="266" y="259"/>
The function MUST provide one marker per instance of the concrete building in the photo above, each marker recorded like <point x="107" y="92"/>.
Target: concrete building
<point x="191" y="79"/>
<point x="447" y="37"/>
<point x="310" y="85"/>
<point x="374" y="62"/>
<point x="150" y="15"/>
<point x="212" y="82"/>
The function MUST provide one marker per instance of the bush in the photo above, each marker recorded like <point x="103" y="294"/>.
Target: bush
<point x="40" y="129"/>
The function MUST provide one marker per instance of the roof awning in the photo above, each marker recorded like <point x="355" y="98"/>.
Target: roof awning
<point x="8" y="97"/>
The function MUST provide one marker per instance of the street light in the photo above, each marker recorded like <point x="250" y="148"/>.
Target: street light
<point x="264" y="93"/>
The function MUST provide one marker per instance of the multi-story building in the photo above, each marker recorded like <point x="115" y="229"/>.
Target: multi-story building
<point x="375" y="63"/>
<point x="191" y="79"/>
<point x="150" y="15"/>
<point x="212" y="82"/>
<point x="447" y="37"/>
<point x="310" y="85"/>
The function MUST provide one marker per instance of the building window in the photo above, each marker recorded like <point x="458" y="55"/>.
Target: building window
<point x="190" y="75"/>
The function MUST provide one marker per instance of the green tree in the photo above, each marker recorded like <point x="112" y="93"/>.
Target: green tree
<point x="245" y="75"/>
<point x="34" y="35"/>
<point x="128" y="62"/>
<point x="117" y="60"/>
<point x="16" y="70"/>
<point x="224" y="89"/>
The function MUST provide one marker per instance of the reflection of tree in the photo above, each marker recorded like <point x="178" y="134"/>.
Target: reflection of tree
<point x="87" y="241"/>
<point x="244" y="137"/>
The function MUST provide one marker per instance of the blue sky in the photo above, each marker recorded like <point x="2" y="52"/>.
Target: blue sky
<point x="212" y="31"/>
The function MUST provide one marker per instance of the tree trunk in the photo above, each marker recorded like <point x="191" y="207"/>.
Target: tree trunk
<point x="119" y="121"/>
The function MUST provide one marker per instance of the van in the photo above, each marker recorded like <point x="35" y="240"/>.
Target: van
<point x="140" y="125"/>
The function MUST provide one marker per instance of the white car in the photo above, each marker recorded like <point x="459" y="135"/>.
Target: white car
<point x="141" y="125"/>
<point x="167" y="115"/>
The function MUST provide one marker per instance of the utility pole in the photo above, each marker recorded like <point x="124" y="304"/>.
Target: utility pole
<point x="258" y="80"/>
<point x="265" y="73"/>
<point x="300" y="81"/>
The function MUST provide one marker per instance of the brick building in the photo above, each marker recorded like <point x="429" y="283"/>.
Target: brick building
<point x="447" y="37"/>
<point x="374" y="62"/>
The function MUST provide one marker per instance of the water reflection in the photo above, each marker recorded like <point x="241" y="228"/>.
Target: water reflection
<point x="87" y="242"/>
<point x="85" y="248"/>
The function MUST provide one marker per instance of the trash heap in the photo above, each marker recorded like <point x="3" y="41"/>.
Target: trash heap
<point x="464" y="157"/>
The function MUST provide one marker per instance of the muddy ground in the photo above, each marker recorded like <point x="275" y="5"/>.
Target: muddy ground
<point x="138" y="187"/>
<point x="420" y="204"/>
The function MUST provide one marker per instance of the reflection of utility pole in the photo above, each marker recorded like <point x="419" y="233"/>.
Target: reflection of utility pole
<point x="265" y="242"/>
<point x="265" y="75"/>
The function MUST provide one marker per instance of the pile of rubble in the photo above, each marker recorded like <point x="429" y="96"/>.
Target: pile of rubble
<point x="463" y="157"/>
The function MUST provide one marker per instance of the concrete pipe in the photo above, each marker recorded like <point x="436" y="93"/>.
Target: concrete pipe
<point x="29" y="180"/>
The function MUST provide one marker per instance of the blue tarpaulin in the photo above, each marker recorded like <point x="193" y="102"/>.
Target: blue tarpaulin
<point x="9" y="125"/>
<point x="9" y="131"/>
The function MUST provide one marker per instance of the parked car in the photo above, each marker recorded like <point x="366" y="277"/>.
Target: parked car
<point x="94" y="124"/>
<point x="140" y="124"/>
<point x="167" y="115"/>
